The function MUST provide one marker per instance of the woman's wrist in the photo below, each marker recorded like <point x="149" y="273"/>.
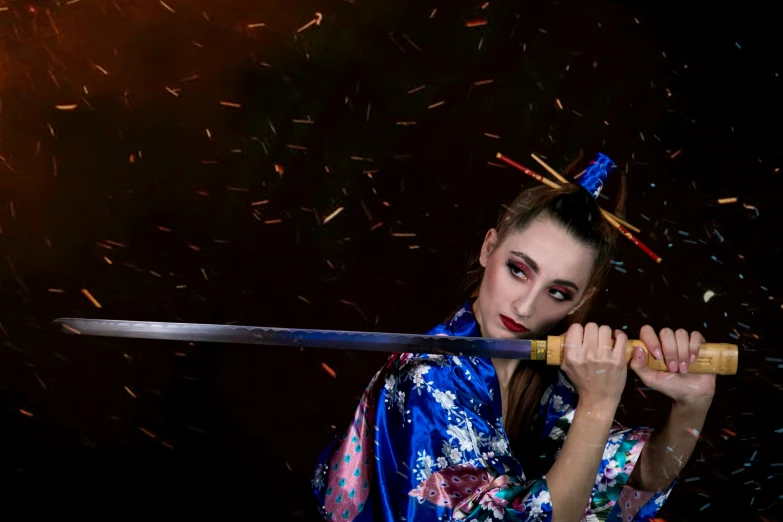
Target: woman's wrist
<point x="670" y="447"/>
<point x="597" y="408"/>
<point x="692" y="406"/>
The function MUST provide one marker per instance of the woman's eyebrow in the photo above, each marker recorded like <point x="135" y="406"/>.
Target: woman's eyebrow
<point x="527" y="259"/>
<point x="534" y="266"/>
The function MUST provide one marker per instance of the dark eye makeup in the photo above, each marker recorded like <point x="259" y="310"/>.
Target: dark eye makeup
<point x="520" y="271"/>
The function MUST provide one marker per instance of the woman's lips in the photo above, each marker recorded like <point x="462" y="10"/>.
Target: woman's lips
<point x="512" y="325"/>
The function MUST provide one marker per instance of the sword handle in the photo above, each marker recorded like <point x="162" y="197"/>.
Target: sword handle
<point x="717" y="358"/>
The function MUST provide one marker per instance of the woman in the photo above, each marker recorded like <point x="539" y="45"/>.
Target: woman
<point x="470" y="438"/>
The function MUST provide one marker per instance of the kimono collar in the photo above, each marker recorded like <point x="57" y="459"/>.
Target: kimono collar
<point x="464" y="323"/>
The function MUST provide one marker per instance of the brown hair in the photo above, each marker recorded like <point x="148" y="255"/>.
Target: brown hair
<point x="576" y="210"/>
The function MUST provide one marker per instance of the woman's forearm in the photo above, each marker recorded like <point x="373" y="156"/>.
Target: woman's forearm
<point x="572" y="476"/>
<point x="669" y="449"/>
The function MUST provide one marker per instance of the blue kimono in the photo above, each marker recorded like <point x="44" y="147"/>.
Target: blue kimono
<point x="427" y="443"/>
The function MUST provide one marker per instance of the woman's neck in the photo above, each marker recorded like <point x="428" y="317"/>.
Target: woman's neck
<point x="505" y="368"/>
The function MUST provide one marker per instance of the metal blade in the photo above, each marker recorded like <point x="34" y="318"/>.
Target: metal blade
<point x="336" y="339"/>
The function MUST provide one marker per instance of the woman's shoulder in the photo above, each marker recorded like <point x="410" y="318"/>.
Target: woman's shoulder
<point x="437" y="372"/>
<point x="418" y="363"/>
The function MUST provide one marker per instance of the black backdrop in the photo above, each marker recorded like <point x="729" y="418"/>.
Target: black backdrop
<point x="178" y="160"/>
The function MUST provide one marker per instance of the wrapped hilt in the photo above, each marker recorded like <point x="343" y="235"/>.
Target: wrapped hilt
<point x="717" y="358"/>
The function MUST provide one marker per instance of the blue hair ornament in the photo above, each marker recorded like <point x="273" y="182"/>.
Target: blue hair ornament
<point x="596" y="174"/>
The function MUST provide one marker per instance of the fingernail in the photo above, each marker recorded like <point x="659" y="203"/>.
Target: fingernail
<point x="639" y="352"/>
<point x="657" y="354"/>
<point x="693" y="358"/>
<point x="672" y="366"/>
<point x="683" y="367"/>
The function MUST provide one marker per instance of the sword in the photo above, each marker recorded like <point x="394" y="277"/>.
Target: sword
<point x="717" y="358"/>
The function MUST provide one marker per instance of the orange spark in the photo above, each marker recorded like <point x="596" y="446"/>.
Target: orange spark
<point x="314" y="21"/>
<point x="332" y="215"/>
<point x="89" y="296"/>
<point x="148" y="433"/>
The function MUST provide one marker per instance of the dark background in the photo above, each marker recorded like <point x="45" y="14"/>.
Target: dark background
<point x="145" y="197"/>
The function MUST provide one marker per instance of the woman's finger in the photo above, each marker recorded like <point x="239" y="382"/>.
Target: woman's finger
<point x="572" y="346"/>
<point x="590" y="342"/>
<point x="696" y="340"/>
<point x="650" y="339"/>
<point x="669" y="347"/>
<point x="683" y="349"/>
<point x="620" y="342"/>
<point x="574" y="334"/>
<point x="605" y="341"/>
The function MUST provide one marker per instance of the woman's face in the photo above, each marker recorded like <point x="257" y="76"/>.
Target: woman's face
<point x="531" y="281"/>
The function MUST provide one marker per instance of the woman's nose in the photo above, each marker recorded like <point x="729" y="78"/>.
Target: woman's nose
<point x="525" y="305"/>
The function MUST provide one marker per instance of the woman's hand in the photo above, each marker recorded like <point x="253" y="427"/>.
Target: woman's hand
<point x="679" y="350"/>
<point x="596" y="364"/>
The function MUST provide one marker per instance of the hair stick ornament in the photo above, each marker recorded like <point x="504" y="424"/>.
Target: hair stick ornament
<point x="549" y="169"/>
<point x="563" y="180"/>
<point x="607" y="216"/>
<point x="593" y="182"/>
<point x="552" y="184"/>
<point x="527" y="171"/>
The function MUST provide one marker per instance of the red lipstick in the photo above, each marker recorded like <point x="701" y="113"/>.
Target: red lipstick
<point x="512" y="325"/>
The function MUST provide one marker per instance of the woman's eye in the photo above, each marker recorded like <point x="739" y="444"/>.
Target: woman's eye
<point x="557" y="294"/>
<point x="520" y="273"/>
<point x="516" y="271"/>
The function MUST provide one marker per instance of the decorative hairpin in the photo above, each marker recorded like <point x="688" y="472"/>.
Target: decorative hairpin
<point x="592" y="179"/>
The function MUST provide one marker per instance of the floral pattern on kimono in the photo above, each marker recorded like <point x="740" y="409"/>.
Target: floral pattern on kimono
<point x="427" y="443"/>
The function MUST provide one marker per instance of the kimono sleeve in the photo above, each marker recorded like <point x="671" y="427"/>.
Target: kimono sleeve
<point x="612" y="494"/>
<point x="612" y="498"/>
<point x="443" y="454"/>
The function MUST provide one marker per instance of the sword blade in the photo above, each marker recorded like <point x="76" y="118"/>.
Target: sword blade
<point x="336" y="339"/>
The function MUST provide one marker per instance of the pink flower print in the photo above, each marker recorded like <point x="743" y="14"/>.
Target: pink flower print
<point x="637" y="448"/>
<point x="489" y="503"/>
